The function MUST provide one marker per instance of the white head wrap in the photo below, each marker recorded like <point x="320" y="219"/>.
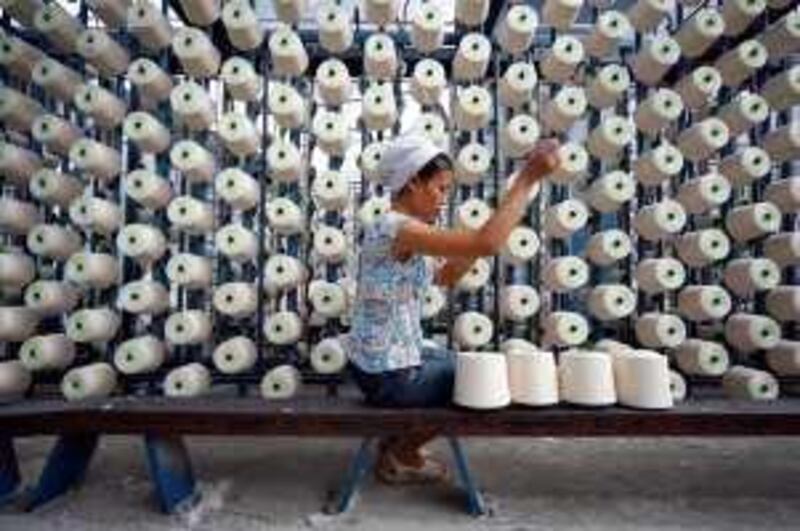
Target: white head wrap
<point x="403" y="158"/>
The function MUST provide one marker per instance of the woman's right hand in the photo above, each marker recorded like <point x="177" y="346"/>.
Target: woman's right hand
<point x="540" y="161"/>
<point x="420" y="238"/>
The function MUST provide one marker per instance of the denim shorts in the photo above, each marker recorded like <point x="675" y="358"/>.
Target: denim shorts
<point x="427" y="385"/>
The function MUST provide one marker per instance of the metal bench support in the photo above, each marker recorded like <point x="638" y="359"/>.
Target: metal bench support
<point x="167" y="458"/>
<point x="171" y="472"/>
<point x="361" y="465"/>
<point x="9" y="470"/>
<point x="65" y="468"/>
<point x="364" y="461"/>
<point x="475" y="504"/>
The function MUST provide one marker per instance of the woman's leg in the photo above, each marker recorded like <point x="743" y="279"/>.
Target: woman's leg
<point x="409" y="448"/>
<point x="431" y="386"/>
<point x="382" y="390"/>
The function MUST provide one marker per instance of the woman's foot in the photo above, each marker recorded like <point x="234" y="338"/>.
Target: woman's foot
<point x="402" y="468"/>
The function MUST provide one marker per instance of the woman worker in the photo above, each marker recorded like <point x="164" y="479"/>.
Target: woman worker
<point x="388" y="360"/>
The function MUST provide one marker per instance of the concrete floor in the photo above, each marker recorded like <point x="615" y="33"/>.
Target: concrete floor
<point x="614" y="484"/>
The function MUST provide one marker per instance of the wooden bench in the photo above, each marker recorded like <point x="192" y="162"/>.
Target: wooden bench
<point x="164" y="422"/>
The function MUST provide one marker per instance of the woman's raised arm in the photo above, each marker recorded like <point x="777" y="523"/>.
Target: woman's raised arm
<point x="418" y="237"/>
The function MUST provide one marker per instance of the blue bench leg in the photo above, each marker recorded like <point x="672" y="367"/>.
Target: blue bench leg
<point x="65" y="468"/>
<point x="362" y="463"/>
<point x="171" y="472"/>
<point x="9" y="470"/>
<point x="475" y="504"/>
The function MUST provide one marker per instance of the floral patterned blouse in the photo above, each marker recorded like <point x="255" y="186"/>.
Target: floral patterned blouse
<point x="386" y="332"/>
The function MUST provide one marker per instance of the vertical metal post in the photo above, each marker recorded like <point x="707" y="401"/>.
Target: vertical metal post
<point x="9" y="470"/>
<point x="344" y="499"/>
<point x="65" y="468"/>
<point x="474" y="499"/>
<point x="171" y="472"/>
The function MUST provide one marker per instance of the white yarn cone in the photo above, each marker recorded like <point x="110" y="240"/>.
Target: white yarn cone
<point x="642" y="380"/>
<point x="93" y="381"/>
<point x="47" y="352"/>
<point x="191" y="271"/>
<point x="784" y="358"/>
<point x="235" y="355"/>
<point x="481" y="380"/>
<point x="281" y="382"/>
<point x="702" y="358"/>
<point x="532" y="377"/>
<point x="749" y="332"/>
<point x="699" y="87"/>
<point x="746" y="383"/>
<point x="472" y="330"/>
<point x="586" y="378"/>
<point x="783" y="303"/>
<point x="565" y="328"/>
<point x="703" y="247"/>
<point x="660" y="330"/>
<point x="91" y="325"/>
<point x="186" y="381"/>
<point x="328" y="356"/>
<point x="140" y="355"/>
<point x="704" y="302"/>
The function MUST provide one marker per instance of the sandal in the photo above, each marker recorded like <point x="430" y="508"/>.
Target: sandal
<point x="392" y="471"/>
<point x="385" y="443"/>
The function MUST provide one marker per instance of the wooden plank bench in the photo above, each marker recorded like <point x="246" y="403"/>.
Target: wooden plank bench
<point x="164" y="422"/>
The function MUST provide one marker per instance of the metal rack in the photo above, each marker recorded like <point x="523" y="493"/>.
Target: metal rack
<point x="486" y="299"/>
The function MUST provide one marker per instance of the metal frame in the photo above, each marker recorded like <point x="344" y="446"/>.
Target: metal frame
<point x="65" y="469"/>
<point x="168" y="458"/>
<point x="163" y="427"/>
<point x="363" y="463"/>
<point x="171" y="472"/>
<point x="68" y="462"/>
<point x="9" y="470"/>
